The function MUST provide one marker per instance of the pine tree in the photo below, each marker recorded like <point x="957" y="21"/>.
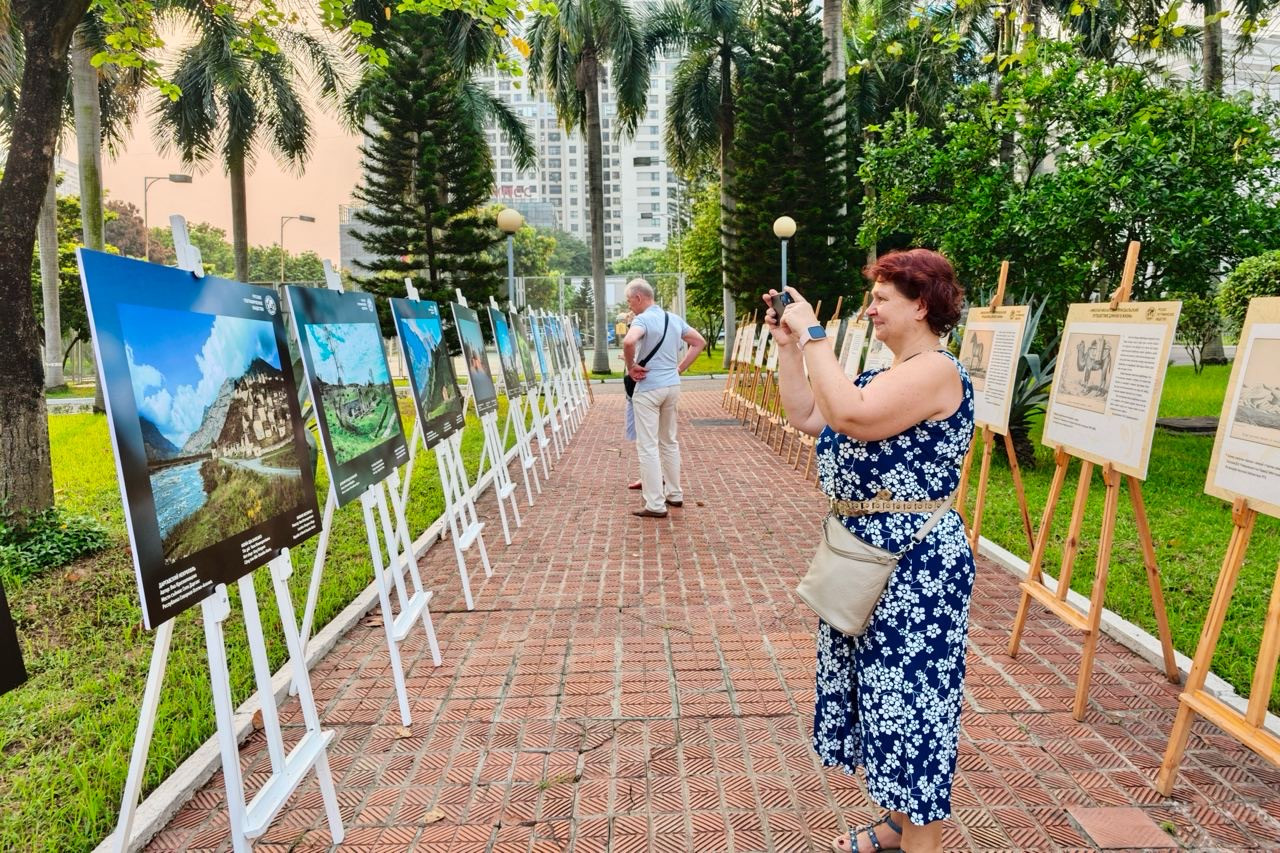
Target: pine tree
<point x="427" y="171"/>
<point x="788" y="149"/>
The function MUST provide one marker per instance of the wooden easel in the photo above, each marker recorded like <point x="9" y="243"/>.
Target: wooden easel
<point x="746" y="364"/>
<point x="988" y="441"/>
<point x="1247" y="728"/>
<point x="1034" y="588"/>
<point x="735" y="361"/>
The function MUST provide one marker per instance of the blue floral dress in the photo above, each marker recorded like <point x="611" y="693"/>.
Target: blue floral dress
<point x="890" y="699"/>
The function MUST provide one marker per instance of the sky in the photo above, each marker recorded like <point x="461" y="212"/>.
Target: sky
<point x="331" y="173"/>
<point x="176" y="375"/>
<point x="358" y="348"/>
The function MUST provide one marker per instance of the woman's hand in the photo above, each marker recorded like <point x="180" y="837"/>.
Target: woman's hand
<point x="799" y="315"/>
<point x="782" y="334"/>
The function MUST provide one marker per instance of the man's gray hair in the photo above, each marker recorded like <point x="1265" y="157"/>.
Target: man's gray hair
<point x="638" y="285"/>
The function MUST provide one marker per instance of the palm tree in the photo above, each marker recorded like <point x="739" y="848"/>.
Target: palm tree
<point x="566" y="54"/>
<point x="229" y="101"/>
<point x="714" y="37"/>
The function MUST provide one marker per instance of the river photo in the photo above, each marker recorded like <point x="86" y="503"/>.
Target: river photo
<point x="179" y="492"/>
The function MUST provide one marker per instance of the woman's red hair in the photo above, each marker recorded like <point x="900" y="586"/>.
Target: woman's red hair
<point x="925" y="275"/>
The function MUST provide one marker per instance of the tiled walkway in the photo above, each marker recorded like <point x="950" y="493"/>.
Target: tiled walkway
<point x="629" y="684"/>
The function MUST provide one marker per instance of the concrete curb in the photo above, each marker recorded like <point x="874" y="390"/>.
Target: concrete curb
<point x="158" y="808"/>
<point x="1125" y="632"/>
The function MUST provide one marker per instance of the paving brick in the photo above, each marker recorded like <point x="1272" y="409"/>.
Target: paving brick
<point x="633" y="685"/>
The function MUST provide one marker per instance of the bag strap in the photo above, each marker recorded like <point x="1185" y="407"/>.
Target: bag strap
<point x="932" y="522"/>
<point x="665" y="323"/>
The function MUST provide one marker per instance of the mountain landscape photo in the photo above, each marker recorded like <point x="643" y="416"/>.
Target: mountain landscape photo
<point x="213" y="407"/>
<point x="355" y="391"/>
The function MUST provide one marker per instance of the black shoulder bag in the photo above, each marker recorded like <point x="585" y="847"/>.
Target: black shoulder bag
<point x="629" y="384"/>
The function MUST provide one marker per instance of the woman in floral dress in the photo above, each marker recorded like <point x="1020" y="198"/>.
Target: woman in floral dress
<point x="890" y="699"/>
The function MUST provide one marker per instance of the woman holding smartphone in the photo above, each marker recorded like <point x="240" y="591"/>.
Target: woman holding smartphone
<point x="890" y="700"/>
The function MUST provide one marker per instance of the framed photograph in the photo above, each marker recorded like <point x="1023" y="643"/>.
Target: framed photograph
<point x="540" y="344"/>
<point x="210" y="446"/>
<point x="475" y="359"/>
<point x="507" y="357"/>
<point x="1107" y="382"/>
<point x="520" y="332"/>
<point x="431" y="376"/>
<point x="355" y="402"/>
<point x="989" y="351"/>
<point x="12" y="671"/>
<point x="1246" y="450"/>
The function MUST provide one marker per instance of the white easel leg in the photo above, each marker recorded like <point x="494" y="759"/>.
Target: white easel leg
<point x="281" y="570"/>
<point x="215" y="609"/>
<point x="367" y="502"/>
<point x="411" y="565"/>
<point x="262" y="673"/>
<point x="451" y="513"/>
<point x="142" y="738"/>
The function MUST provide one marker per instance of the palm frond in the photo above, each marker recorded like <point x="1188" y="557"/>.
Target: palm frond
<point x="487" y="106"/>
<point x="693" y="110"/>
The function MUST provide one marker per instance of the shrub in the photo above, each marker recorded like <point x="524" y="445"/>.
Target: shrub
<point x="1199" y="325"/>
<point x="1256" y="276"/>
<point x="50" y="540"/>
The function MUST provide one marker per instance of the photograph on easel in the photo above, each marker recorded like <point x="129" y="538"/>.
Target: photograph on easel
<point x="1246" y="450"/>
<point x="1107" y="382"/>
<point x="506" y="353"/>
<point x="431" y="375"/>
<point x="475" y="359"/>
<point x="990" y="350"/>
<point x="210" y="444"/>
<point x="355" y="402"/>
<point x="520" y="332"/>
<point x="539" y="345"/>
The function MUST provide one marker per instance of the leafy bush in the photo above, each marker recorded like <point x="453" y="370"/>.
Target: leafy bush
<point x="1199" y="325"/>
<point x="1256" y="276"/>
<point x="51" y="539"/>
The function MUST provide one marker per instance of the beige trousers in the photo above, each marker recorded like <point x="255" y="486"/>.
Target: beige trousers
<point x="657" y="447"/>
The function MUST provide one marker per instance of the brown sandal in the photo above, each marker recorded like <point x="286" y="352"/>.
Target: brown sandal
<point x="870" y="829"/>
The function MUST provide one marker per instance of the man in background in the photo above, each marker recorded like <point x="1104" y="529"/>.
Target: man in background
<point x="650" y="353"/>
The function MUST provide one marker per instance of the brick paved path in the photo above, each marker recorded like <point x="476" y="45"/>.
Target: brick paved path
<point x="629" y="684"/>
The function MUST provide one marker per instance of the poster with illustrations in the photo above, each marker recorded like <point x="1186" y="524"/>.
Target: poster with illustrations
<point x="855" y="338"/>
<point x="765" y="337"/>
<point x="519" y="325"/>
<point x="1246" y="450"/>
<point x="835" y="333"/>
<point x="12" y="671"/>
<point x="989" y="351"/>
<point x="346" y="367"/>
<point x="431" y="376"/>
<point x="879" y="356"/>
<point x="1107" y="382"/>
<point x="210" y="446"/>
<point x="507" y="356"/>
<point x="475" y="359"/>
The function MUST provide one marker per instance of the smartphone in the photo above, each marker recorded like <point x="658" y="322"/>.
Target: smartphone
<point x="781" y="301"/>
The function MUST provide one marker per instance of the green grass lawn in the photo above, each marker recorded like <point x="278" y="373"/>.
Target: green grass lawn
<point x="708" y="363"/>
<point x="65" y="736"/>
<point x="1190" y="531"/>
<point x="71" y="391"/>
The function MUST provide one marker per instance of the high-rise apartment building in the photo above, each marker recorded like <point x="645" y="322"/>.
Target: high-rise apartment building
<point x="640" y="189"/>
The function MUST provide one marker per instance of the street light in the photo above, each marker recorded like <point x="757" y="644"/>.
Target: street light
<point x="510" y="221"/>
<point x="301" y="217"/>
<point x="147" y="181"/>
<point x="784" y="228"/>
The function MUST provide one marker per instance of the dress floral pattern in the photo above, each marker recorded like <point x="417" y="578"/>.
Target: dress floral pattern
<point x="890" y="699"/>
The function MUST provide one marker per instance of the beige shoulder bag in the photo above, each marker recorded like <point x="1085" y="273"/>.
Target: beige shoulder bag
<point x="848" y="575"/>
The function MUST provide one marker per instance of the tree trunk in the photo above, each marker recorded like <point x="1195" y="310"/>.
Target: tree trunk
<point x="588" y="84"/>
<point x="833" y="37"/>
<point x="239" y="216"/>
<point x="727" y="202"/>
<point x="1211" y="46"/>
<point x="26" y="476"/>
<point x="47" y="233"/>
<point x="88" y="119"/>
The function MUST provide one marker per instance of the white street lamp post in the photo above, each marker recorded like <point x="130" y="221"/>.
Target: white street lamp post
<point x="147" y="181"/>
<point x="301" y="217"/>
<point x="510" y="221"/>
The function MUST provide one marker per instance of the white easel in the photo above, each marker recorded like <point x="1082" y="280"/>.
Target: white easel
<point x="563" y="407"/>
<point x="549" y="418"/>
<point x="516" y="421"/>
<point x="247" y="820"/>
<point x="465" y="525"/>
<point x="414" y="606"/>
<point x="493" y="453"/>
